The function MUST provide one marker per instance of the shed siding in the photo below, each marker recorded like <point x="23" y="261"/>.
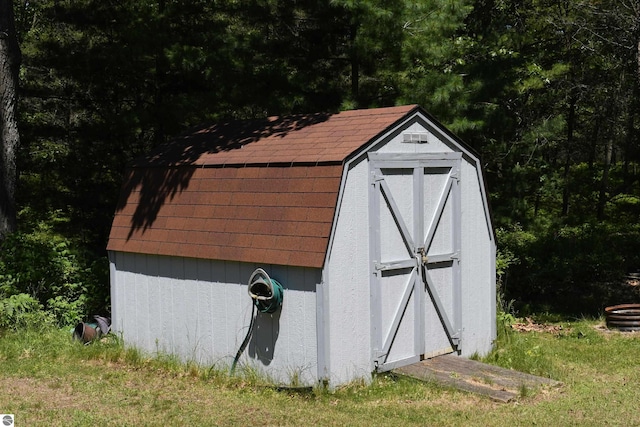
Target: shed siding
<point x="348" y="311"/>
<point x="200" y="310"/>
<point x="479" y="291"/>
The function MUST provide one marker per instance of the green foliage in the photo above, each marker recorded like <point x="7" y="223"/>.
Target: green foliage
<point x="52" y="272"/>
<point x="546" y="92"/>
<point x="433" y="60"/>
<point x="68" y="312"/>
<point x="504" y="319"/>
<point x="521" y="352"/>
<point x="22" y="311"/>
<point x="573" y="270"/>
<point x="510" y="242"/>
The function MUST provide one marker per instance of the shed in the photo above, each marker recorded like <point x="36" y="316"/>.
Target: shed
<point x="376" y="223"/>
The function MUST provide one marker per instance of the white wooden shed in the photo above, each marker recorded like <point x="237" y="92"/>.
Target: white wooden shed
<point x="376" y="223"/>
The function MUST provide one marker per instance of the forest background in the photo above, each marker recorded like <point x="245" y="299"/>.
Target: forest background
<point x="547" y="92"/>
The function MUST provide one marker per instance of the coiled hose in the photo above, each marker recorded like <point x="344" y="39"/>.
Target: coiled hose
<point x="266" y="294"/>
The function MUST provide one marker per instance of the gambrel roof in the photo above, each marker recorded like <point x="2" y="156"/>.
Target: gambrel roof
<point x="260" y="191"/>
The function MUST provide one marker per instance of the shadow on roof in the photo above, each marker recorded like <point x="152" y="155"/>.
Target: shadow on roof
<point x="214" y="138"/>
<point x="158" y="177"/>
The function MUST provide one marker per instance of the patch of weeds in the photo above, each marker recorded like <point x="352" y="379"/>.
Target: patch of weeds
<point x="192" y="369"/>
<point x="587" y="333"/>
<point x="250" y="376"/>
<point x="321" y="389"/>
<point x="475" y="356"/>
<point x="109" y="348"/>
<point x="30" y="351"/>
<point x="504" y="322"/>
<point x="213" y="373"/>
<point x="548" y="317"/>
<point x="522" y="352"/>
<point x="304" y="392"/>
<point x="294" y="378"/>
<point x="524" y="391"/>
<point x="133" y="356"/>
<point x="358" y="390"/>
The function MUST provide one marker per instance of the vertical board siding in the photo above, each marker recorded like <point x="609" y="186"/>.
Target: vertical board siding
<point x="478" y="268"/>
<point x="155" y="310"/>
<point x="348" y="310"/>
<point x="193" y="326"/>
<point x="200" y="310"/>
<point x="204" y="293"/>
<point x="141" y="294"/>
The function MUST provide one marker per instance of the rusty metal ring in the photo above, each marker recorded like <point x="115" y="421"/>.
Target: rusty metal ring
<point x="624" y="317"/>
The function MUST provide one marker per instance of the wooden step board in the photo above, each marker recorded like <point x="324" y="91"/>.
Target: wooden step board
<point x="499" y="384"/>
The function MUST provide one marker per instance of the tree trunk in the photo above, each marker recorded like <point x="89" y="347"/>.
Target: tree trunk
<point x="9" y="136"/>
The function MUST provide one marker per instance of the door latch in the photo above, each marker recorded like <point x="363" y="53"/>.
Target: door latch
<point x="424" y="259"/>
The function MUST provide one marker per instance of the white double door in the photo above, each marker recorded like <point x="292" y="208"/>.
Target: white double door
<point x="414" y="209"/>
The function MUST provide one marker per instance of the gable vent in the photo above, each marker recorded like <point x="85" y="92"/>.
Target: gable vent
<point x="415" y="137"/>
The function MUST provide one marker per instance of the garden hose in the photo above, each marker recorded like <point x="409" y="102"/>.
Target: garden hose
<point x="246" y="339"/>
<point x="265" y="291"/>
<point x="266" y="294"/>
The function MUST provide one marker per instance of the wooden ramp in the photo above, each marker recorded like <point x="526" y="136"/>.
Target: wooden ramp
<point x="499" y="384"/>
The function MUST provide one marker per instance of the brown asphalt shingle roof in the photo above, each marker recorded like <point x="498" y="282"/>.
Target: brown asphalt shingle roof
<point x="261" y="191"/>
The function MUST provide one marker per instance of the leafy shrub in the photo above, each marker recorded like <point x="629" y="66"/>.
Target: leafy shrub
<point x="23" y="311"/>
<point x="67" y="312"/>
<point x="45" y="266"/>
<point x="505" y="259"/>
<point x="570" y="269"/>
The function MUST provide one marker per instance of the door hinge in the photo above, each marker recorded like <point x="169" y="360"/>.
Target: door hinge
<point x="376" y="177"/>
<point x="378" y="358"/>
<point x="456" y="338"/>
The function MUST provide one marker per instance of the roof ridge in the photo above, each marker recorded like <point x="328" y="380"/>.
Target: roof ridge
<point x="302" y="138"/>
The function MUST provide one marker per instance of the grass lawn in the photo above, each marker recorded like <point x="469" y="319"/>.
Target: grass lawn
<point x="48" y="380"/>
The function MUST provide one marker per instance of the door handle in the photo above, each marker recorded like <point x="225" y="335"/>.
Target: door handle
<point x="422" y="256"/>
